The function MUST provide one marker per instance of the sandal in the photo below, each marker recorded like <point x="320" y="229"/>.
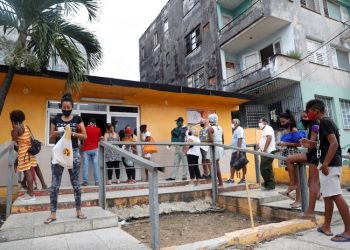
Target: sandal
<point x="49" y="220"/>
<point x="81" y="217"/>
<point x="295" y="205"/>
<point x="343" y="238"/>
<point x="320" y="230"/>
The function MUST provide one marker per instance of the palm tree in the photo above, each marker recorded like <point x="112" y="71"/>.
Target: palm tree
<point x="44" y="34"/>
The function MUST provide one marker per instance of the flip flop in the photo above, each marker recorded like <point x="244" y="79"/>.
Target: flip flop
<point x="295" y="206"/>
<point x="286" y="194"/>
<point x="344" y="238"/>
<point x="81" y="217"/>
<point x="320" y="230"/>
<point x="49" y="220"/>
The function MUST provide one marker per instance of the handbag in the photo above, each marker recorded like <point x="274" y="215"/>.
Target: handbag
<point x="35" y="146"/>
<point x="150" y="149"/>
<point x="240" y="163"/>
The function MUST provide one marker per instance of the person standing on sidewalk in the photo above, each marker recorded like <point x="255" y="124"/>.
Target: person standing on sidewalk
<point x="330" y="168"/>
<point x="267" y="144"/>
<point x="113" y="159"/>
<point x="238" y="140"/>
<point x="90" y="151"/>
<point x="179" y="134"/>
<point x="204" y="138"/>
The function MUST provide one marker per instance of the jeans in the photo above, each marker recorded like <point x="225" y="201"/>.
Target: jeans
<point x="90" y="155"/>
<point x="180" y="156"/>
<point x="57" y="171"/>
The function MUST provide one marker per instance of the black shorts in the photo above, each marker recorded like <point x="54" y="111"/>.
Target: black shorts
<point x="312" y="158"/>
<point x="234" y="157"/>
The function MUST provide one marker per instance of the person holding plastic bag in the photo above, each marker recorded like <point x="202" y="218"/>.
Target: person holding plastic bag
<point x="63" y="127"/>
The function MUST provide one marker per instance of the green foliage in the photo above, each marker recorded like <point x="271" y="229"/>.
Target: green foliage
<point x="44" y="34"/>
<point x="294" y="54"/>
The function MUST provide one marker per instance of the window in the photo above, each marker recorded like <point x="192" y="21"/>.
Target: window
<point x="167" y="59"/>
<point x="328" y="102"/>
<point x="193" y="40"/>
<point x="332" y="10"/>
<point x="166" y="25"/>
<point x="188" y="5"/>
<point x="277" y="48"/>
<point x="309" y="4"/>
<point x="345" y="112"/>
<point x="155" y="40"/>
<point x="196" y="80"/>
<point x="316" y="55"/>
<point x="143" y="57"/>
<point x="340" y="59"/>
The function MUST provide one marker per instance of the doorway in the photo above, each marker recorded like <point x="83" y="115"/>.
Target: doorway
<point x="101" y="120"/>
<point x="265" y="54"/>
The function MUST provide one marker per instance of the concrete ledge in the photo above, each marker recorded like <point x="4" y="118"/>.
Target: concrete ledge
<point x="252" y="236"/>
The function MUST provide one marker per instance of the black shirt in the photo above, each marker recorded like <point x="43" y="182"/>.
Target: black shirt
<point x="76" y="120"/>
<point x="328" y="127"/>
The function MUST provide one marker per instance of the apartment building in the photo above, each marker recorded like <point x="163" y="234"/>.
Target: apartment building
<point x="281" y="52"/>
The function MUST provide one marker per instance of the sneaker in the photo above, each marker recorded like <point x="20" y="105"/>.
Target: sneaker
<point x="85" y="184"/>
<point x="184" y="178"/>
<point x="27" y="197"/>
<point x="109" y="182"/>
<point x="229" y="181"/>
<point x="170" y="179"/>
<point x="242" y="181"/>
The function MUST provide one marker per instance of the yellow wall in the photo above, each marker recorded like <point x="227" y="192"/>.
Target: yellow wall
<point x="158" y="109"/>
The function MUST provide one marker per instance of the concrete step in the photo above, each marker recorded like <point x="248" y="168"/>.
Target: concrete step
<point x="113" y="187"/>
<point x="126" y="198"/>
<point x="27" y="226"/>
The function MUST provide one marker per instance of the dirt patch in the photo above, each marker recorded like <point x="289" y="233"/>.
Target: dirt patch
<point x="184" y="228"/>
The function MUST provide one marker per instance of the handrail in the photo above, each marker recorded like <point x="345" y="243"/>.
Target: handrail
<point x="250" y="8"/>
<point x="5" y="147"/>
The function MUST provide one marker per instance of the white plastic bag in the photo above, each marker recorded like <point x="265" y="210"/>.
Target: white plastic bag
<point x="62" y="152"/>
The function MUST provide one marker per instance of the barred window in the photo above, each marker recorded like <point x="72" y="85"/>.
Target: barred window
<point x="309" y="4"/>
<point x="193" y="40"/>
<point x="345" y="112"/>
<point x="328" y="102"/>
<point x="196" y="80"/>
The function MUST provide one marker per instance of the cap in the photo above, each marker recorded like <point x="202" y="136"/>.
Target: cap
<point x="179" y="119"/>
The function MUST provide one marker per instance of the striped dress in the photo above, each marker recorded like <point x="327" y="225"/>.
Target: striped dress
<point x="25" y="161"/>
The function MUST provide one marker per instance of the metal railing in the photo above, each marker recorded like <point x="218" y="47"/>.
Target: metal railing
<point x="232" y="79"/>
<point x="8" y="148"/>
<point x="255" y="6"/>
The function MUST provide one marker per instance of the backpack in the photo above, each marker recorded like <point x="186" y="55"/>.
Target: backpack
<point x="35" y="146"/>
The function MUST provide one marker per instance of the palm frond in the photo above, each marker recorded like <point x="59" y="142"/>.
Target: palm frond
<point x="8" y="17"/>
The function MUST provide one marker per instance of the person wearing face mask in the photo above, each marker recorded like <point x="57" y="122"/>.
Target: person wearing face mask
<point x="289" y="143"/>
<point x="311" y="158"/>
<point x="238" y="140"/>
<point x="128" y="136"/>
<point x="204" y="137"/>
<point x="78" y="133"/>
<point x="179" y="134"/>
<point x="267" y="144"/>
<point x="216" y="135"/>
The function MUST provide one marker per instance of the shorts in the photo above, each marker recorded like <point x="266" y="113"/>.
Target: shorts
<point x="312" y="158"/>
<point x="234" y="157"/>
<point x="330" y="184"/>
<point x="205" y="155"/>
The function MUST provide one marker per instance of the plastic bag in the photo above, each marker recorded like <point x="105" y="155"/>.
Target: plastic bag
<point x="150" y="149"/>
<point x="62" y="152"/>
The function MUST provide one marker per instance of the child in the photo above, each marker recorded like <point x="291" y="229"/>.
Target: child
<point x="329" y="154"/>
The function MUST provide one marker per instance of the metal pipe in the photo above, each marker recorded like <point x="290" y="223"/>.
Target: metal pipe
<point x="154" y="209"/>
<point x="257" y="167"/>
<point x="303" y="188"/>
<point x="9" y="180"/>
<point x="214" y="179"/>
<point x="102" y="184"/>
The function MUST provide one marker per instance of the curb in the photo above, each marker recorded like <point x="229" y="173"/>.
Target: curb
<point x="251" y="236"/>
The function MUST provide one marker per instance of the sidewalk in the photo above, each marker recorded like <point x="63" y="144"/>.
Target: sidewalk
<point x="103" y="239"/>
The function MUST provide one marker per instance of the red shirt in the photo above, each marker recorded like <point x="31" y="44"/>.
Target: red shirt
<point x="93" y="135"/>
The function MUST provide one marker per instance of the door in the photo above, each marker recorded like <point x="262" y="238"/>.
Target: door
<point x="250" y="61"/>
<point x="101" y="120"/>
<point x="265" y="54"/>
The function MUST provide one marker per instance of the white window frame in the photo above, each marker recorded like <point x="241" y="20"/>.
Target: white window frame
<point x="318" y="56"/>
<point x="329" y="105"/>
<point x="191" y="79"/>
<point x="345" y="112"/>
<point x="335" y="58"/>
<point x="78" y="111"/>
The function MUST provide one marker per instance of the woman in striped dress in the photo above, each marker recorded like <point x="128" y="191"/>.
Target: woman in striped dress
<point x="21" y="135"/>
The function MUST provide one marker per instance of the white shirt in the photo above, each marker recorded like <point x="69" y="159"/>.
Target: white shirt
<point x="145" y="135"/>
<point x="267" y="131"/>
<point x="238" y="134"/>
<point x="195" y="150"/>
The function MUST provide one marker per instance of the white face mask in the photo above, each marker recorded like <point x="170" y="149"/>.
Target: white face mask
<point x="233" y="126"/>
<point x="261" y="125"/>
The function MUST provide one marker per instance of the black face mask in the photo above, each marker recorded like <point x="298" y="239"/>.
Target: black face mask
<point x="202" y="125"/>
<point x="66" y="112"/>
<point x="285" y="126"/>
<point x="305" y="123"/>
<point x="189" y="133"/>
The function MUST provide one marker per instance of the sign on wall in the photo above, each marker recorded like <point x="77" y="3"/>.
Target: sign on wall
<point x="194" y="116"/>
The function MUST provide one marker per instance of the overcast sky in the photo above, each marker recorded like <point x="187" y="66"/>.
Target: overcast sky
<point x="121" y="24"/>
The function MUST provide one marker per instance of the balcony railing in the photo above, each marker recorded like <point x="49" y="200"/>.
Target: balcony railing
<point x="257" y="5"/>
<point x="232" y="79"/>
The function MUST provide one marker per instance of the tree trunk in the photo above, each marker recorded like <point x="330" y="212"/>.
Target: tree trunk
<point x="5" y="87"/>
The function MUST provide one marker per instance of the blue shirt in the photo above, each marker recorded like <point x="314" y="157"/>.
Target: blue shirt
<point x="238" y="134"/>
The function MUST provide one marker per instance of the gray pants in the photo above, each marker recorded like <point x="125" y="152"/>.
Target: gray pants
<point x="180" y="157"/>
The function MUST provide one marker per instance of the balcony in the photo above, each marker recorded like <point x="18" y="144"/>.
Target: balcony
<point x="261" y="73"/>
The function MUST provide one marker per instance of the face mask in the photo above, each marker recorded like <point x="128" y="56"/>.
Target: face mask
<point x="261" y="125"/>
<point x="312" y="116"/>
<point x="233" y="126"/>
<point x="285" y="125"/>
<point x="66" y="112"/>
<point x="179" y="124"/>
<point x="305" y="123"/>
<point x="190" y="133"/>
<point x="128" y="131"/>
<point x="202" y="125"/>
